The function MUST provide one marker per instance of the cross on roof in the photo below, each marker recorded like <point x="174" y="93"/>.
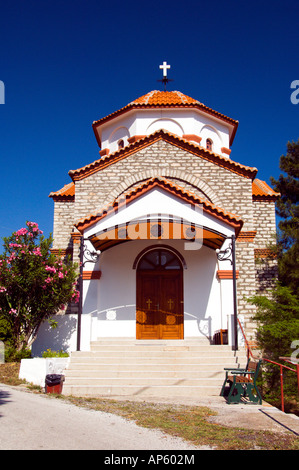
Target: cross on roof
<point x="165" y="80"/>
<point x="164" y="67"/>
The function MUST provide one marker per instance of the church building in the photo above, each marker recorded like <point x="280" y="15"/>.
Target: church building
<point x="172" y="229"/>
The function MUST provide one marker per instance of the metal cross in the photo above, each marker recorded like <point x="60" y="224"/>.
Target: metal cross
<point x="149" y="302"/>
<point x="170" y="303"/>
<point x="165" y="80"/>
<point x="164" y="67"/>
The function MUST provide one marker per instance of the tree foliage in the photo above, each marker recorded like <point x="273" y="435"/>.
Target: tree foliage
<point x="287" y="208"/>
<point x="278" y="314"/>
<point x="34" y="284"/>
<point x="278" y="322"/>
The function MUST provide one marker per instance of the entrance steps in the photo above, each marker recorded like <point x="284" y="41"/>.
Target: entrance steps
<point x="128" y="367"/>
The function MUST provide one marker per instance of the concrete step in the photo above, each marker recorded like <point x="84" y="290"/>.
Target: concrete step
<point x="144" y="391"/>
<point x="148" y="368"/>
<point x="127" y="367"/>
<point x="141" y="381"/>
<point x="158" y="342"/>
<point x="143" y="373"/>
<point x="157" y="348"/>
<point x="225" y="361"/>
<point x="171" y="354"/>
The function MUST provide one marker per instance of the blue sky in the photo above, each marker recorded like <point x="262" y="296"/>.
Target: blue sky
<point x="67" y="63"/>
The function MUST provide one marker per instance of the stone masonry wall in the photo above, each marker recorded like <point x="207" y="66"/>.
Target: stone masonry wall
<point x="264" y="222"/>
<point x="63" y="224"/>
<point x="222" y="187"/>
<point x="161" y="158"/>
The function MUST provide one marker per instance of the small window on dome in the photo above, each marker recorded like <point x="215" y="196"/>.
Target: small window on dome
<point x="120" y="144"/>
<point x="209" y="144"/>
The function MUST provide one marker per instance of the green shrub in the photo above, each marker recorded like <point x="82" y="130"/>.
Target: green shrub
<point x="50" y="353"/>
<point x="13" y="355"/>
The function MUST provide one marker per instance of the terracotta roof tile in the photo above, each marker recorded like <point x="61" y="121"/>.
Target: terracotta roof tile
<point x="165" y="98"/>
<point x="68" y="191"/>
<point x="168" y="99"/>
<point x="261" y="189"/>
<point x="196" y="149"/>
<point x="145" y="186"/>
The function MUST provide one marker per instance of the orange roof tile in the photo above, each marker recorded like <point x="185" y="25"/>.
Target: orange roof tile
<point x="67" y="192"/>
<point x="261" y="189"/>
<point x="167" y="99"/>
<point x="169" y="186"/>
<point x="143" y="142"/>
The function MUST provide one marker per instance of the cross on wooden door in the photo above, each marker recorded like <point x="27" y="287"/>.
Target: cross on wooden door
<point x="171" y="304"/>
<point x="149" y="302"/>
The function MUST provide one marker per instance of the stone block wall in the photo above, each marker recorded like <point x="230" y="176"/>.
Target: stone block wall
<point x="233" y="191"/>
<point x="224" y="188"/>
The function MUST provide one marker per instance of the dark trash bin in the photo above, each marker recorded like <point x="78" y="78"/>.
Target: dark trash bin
<point x="53" y="383"/>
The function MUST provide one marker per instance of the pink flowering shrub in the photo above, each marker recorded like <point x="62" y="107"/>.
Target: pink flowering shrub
<point x="34" y="283"/>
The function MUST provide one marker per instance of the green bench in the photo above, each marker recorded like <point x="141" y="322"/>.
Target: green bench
<point x="240" y="384"/>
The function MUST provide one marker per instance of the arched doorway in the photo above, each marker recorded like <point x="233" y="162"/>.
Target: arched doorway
<point x="159" y="302"/>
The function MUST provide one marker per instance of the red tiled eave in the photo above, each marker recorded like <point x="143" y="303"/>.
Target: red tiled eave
<point x="184" y="144"/>
<point x="168" y="99"/>
<point x="65" y="193"/>
<point x="261" y="190"/>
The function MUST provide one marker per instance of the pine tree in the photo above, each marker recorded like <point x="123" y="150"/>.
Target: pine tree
<point x="278" y="315"/>
<point x="288" y="209"/>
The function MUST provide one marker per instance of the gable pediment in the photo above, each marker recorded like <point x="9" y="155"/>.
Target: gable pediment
<point x="179" y="142"/>
<point x="153" y="202"/>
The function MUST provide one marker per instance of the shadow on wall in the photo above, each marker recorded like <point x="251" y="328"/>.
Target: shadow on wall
<point x="60" y="338"/>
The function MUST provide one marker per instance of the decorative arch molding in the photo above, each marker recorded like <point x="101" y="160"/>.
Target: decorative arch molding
<point x="120" y="133"/>
<point x="166" y="173"/>
<point x="168" y="124"/>
<point x="210" y="128"/>
<point x="159" y="247"/>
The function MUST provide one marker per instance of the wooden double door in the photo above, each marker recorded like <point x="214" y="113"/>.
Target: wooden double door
<point x="160" y="312"/>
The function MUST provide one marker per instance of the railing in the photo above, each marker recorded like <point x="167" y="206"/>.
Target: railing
<point x="281" y="366"/>
<point x="249" y="352"/>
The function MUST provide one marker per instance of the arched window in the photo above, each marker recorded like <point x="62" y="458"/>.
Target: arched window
<point x="120" y="144"/>
<point x="159" y="260"/>
<point x="209" y="144"/>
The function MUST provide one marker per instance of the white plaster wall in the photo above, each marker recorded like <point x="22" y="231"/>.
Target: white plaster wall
<point x="171" y="125"/>
<point x="177" y="121"/>
<point x="111" y="306"/>
<point x="64" y="337"/>
<point x="35" y="370"/>
<point x="120" y="133"/>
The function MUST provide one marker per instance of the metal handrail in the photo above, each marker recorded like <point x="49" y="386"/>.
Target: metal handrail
<point x="249" y="352"/>
<point x="282" y="366"/>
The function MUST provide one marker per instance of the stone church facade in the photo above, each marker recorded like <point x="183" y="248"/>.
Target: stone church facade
<point x="163" y="156"/>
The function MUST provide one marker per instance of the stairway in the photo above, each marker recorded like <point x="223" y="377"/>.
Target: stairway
<point x="152" y="368"/>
